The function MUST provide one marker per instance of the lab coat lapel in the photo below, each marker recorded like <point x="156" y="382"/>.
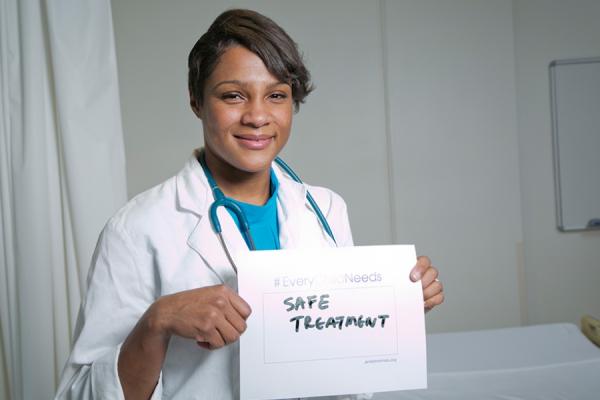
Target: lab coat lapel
<point x="299" y="226"/>
<point x="204" y="241"/>
<point x="194" y="196"/>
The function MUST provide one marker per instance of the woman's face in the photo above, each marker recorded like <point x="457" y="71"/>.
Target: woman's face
<point x="246" y="113"/>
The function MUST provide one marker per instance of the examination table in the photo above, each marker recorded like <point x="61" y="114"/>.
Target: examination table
<point x="544" y="362"/>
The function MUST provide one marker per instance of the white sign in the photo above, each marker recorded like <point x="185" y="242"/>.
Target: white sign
<point x="331" y="321"/>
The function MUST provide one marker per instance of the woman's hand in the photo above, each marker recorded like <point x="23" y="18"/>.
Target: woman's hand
<point x="433" y="291"/>
<point x="214" y="316"/>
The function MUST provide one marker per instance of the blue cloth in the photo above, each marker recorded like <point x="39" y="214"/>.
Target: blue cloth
<point x="264" y="225"/>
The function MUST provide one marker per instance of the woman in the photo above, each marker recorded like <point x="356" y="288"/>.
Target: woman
<point x="161" y="283"/>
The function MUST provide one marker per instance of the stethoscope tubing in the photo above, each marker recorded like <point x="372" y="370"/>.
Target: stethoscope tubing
<point x="222" y="201"/>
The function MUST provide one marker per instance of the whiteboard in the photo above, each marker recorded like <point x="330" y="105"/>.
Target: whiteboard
<point x="575" y="100"/>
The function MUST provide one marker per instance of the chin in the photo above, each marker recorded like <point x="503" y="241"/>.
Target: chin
<point x="255" y="165"/>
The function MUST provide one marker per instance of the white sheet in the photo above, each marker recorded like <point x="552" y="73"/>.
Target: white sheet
<point x="537" y="362"/>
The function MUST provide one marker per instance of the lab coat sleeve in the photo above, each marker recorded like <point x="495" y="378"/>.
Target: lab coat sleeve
<point x="119" y="292"/>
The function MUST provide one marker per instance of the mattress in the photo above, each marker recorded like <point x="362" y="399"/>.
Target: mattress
<point x="546" y="362"/>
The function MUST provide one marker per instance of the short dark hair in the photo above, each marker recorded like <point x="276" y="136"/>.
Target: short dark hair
<point x="260" y="35"/>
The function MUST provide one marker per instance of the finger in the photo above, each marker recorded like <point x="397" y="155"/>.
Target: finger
<point x="213" y="338"/>
<point x="240" y="305"/>
<point x="201" y="340"/>
<point x="432" y="290"/>
<point x="227" y="332"/>
<point x="423" y="262"/>
<point x="434" y="301"/>
<point x="238" y="323"/>
<point x="230" y="302"/>
<point x="430" y="276"/>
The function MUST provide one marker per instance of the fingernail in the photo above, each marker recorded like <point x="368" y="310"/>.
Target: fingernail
<point x="415" y="276"/>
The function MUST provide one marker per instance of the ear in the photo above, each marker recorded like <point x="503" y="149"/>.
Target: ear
<point x="195" y="105"/>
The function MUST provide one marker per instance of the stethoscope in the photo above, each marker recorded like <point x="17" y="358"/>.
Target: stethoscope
<point x="222" y="201"/>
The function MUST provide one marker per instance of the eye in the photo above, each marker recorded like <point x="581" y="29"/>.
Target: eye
<point x="278" y="96"/>
<point x="232" y="97"/>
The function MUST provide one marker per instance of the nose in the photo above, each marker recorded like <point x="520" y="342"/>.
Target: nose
<point x="256" y="114"/>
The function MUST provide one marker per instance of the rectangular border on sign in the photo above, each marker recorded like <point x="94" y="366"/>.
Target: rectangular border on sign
<point x="395" y="343"/>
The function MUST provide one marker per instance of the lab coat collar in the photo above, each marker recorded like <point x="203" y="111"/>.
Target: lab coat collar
<point x="291" y="199"/>
<point x="193" y="191"/>
<point x="299" y="225"/>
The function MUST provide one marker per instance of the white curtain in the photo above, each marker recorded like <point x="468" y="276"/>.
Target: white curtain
<point x="62" y="174"/>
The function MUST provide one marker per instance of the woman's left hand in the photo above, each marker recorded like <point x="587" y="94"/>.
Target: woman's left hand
<point x="433" y="291"/>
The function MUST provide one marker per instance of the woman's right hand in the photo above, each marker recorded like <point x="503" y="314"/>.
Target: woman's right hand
<point x="214" y="316"/>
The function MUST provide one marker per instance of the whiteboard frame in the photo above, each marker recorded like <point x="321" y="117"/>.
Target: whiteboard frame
<point x="555" y="142"/>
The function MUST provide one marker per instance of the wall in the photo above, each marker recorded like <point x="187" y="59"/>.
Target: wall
<point x="339" y="134"/>
<point x="562" y="269"/>
<point x="450" y="79"/>
<point x="416" y="100"/>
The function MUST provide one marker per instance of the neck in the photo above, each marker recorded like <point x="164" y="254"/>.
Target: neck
<point x="248" y="187"/>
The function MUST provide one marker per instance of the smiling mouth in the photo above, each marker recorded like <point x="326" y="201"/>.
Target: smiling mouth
<point x="254" y="142"/>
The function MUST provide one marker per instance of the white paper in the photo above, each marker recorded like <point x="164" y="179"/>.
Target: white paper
<point x="366" y="331"/>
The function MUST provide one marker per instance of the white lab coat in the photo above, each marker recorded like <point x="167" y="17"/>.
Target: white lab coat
<point x="162" y="242"/>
